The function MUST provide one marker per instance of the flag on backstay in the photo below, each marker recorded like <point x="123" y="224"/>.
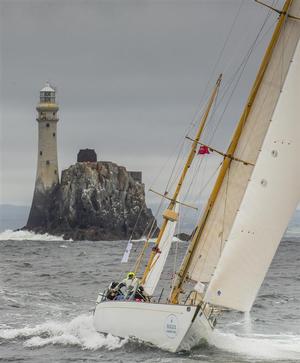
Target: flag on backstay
<point x="127" y="252"/>
<point x="203" y="150"/>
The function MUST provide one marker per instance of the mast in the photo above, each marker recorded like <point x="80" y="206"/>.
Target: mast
<point x="182" y="274"/>
<point x="169" y="214"/>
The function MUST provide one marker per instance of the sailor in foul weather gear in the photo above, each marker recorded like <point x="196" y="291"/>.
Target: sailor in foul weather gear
<point x="128" y="289"/>
<point x="131" y="281"/>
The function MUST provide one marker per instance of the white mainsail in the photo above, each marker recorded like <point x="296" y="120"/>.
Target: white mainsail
<point x="160" y="258"/>
<point x="226" y="208"/>
<point x="271" y="197"/>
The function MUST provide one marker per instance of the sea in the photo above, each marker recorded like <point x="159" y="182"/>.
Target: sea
<point x="48" y="289"/>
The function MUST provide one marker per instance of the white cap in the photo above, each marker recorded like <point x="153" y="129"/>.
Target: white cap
<point x="47" y="88"/>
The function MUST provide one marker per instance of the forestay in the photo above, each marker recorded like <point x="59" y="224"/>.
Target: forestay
<point x="225" y="210"/>
<point x="271" y="197"/>
<point x="161" y="257"/>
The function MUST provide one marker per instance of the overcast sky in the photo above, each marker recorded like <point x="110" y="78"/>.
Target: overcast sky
<point x="130" y="77"/>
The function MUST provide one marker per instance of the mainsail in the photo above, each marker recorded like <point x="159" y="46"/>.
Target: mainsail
<point x="160" y="258"/>
<point x="270" y="199"/>
<point x="224" y="207"/>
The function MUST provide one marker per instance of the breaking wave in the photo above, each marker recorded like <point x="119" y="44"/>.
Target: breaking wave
<point x="10" y="235"/>
<point x="81" y="333"/>
<point x="78" y="332"/>
<point x="274" y="347"/>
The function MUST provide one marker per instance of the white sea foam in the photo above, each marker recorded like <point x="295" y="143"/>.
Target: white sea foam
<point x="78" y="332"/>
<point x="260" y="346"/>
<point x="10" y="235"/>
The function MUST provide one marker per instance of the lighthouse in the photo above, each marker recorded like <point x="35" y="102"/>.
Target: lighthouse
<point x="47" y="177"/>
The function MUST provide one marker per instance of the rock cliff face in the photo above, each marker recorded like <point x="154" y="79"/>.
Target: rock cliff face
<point x="98" y="201"/>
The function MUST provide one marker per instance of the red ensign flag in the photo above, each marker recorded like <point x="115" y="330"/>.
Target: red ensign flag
<point x="203" y="150"/>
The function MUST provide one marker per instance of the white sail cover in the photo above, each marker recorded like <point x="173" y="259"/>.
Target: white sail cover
<point x="160" y="258"/>
<point x="220" y="220"/>
<point x="271" y="197"/>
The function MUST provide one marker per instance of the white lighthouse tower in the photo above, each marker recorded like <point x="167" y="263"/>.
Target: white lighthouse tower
<point x="47" y="177"/>
<point x="47" y="168"/>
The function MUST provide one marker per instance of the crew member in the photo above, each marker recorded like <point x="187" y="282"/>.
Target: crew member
<point x="131" y="281"/>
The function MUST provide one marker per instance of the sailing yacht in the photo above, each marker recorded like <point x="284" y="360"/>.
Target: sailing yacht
<point x="253" y="198"/>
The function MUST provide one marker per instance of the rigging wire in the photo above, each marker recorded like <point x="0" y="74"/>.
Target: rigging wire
<point x="249" y="53"/>
<point x="279" y="87"/>
<point x="207" y="86"/>
<point x="170" y="183"/>
<point x="202" y="98"/>
<point x="238" y="73"/>
<point x="219" y="121"/>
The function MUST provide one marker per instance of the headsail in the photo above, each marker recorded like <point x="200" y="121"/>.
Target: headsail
<point x="224" y="204"/>
<point x="271" y="197"/>
<point x="161" y="257"/>
<point x="170" y="214"/>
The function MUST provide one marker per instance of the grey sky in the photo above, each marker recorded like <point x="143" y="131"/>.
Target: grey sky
<point x="129" y="74"/>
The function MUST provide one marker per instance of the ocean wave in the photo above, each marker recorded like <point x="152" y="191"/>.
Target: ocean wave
<point x="293" y="232"/>
<point x="78" y="332"/>
<point x="10" y="235"/>
<point x="260" y="346"/>
<point x="81" y="333"/>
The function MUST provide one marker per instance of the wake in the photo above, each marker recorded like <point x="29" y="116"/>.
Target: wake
<point x="261" y="346"/>
<point x="78" y="332"/>
<point x="81" y="333"/>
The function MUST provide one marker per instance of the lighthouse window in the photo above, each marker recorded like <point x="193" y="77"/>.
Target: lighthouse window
<point x="47" y="125"/>
<point x="48" y="162"/>
<point x="53" y="134"/>
<point x="41" y="153"/>
<point x="55" y="171"/>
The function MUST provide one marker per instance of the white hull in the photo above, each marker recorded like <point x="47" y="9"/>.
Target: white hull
<point x="169" y="327"/>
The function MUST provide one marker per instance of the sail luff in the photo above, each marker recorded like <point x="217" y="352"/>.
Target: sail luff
<point x="199" y="238"/>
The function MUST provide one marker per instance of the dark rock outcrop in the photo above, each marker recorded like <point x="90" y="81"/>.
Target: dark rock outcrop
<point x="86" y="155"/>
<point x="97" y="201"/>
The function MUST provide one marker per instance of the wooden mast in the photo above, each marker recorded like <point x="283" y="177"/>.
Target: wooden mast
<point x="169" y="213"/>
<point x="182" y="274"/>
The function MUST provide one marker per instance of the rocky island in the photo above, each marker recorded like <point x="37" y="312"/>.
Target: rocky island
<point x="95" y="200"/>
